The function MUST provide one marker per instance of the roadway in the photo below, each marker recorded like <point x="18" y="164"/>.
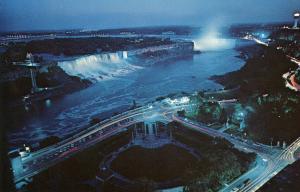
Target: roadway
<point x="271" y="165"/>
<point x="269" y="162"/>
<point x="252" y="38"/>
<point x="282" y="160"/>
<point x="47" y="157"/>
<point x="289" y="77"/>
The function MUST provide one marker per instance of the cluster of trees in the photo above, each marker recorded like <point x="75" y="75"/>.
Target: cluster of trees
<point x="287" y="180"/>
<point x="53" y="77"/>
<point x="72" y="174"/>
<point x="15" y="89"/>
<point x="157" y="165"/>
<point x="288" y="40"/>
<point x="51" y="140"/>
<point x="275" y="118"/>
<point x="261" y="74"/>
<point x="276" y="114"/>
<point x="211" y="112"/>
<point x="78" y="46"/>
<point x="207" y="111"/>
<point x="220" y="162"/>
<point x="16" y="52"/>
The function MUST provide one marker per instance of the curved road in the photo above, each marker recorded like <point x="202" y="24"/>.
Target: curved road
<point x="269" y="162"/>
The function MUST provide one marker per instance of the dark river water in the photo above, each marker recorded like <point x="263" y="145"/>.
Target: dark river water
<point x="70" y="113"/>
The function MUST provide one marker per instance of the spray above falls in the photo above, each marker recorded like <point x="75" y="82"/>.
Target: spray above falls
<point x="211" y="40"/>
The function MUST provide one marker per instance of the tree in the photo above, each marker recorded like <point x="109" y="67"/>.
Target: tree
<point x="181" y="113"/>
<point x="51" y="140"/>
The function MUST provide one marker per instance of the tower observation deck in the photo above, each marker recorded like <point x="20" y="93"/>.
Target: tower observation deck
<point x="33" y="67"/>
<point x="296" y="19"/>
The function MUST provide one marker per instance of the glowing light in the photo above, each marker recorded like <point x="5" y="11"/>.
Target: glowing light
<point x="125" y="54"/>
<point x="182" y="100"/>
<point x="242" y="114"/>
<point x="48" y="103"/>
<point x="210" y="39"/>
<point x="213" y="43"/>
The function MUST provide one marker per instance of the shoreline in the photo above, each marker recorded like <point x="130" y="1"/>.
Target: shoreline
<point x="113" y="111"/>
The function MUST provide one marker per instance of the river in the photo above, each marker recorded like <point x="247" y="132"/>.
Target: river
<point x="70" y="113"/>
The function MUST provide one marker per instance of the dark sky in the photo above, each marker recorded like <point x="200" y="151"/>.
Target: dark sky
<point x="96" y="14"/>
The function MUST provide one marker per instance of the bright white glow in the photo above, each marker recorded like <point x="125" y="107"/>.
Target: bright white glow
<point x="48" y="103"/>
<point x="182" y="100"/>
<point x="125" y="54"/>
<point x="213" y="44"/>
<point x="210" y="40"/>
<point x="22" y="153"/>
<point x="99" y="67"/>
<point x="297" y="15"/>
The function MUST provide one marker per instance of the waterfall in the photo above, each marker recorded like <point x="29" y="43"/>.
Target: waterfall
<point x="99" y="67"/>
<point x="213" y="44"/>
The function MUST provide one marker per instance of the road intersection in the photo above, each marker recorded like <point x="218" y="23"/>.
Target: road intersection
<point x="270" y="160"/>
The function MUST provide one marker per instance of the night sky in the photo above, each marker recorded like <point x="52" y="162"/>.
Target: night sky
<point x="97" y="14"/>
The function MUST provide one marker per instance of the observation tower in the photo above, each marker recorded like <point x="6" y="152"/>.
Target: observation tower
<point x="296" y="18"/>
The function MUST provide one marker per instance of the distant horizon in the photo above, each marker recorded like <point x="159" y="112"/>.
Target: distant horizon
<point x="32" y="15"/>
<point x="141" y="26"/>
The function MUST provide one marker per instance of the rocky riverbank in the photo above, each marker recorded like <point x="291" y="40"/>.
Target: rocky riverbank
<point x="16" y="85"/>
<point x="274" y="108"/>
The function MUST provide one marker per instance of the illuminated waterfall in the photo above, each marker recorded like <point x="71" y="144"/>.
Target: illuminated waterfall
<point x="99" y="67"/>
